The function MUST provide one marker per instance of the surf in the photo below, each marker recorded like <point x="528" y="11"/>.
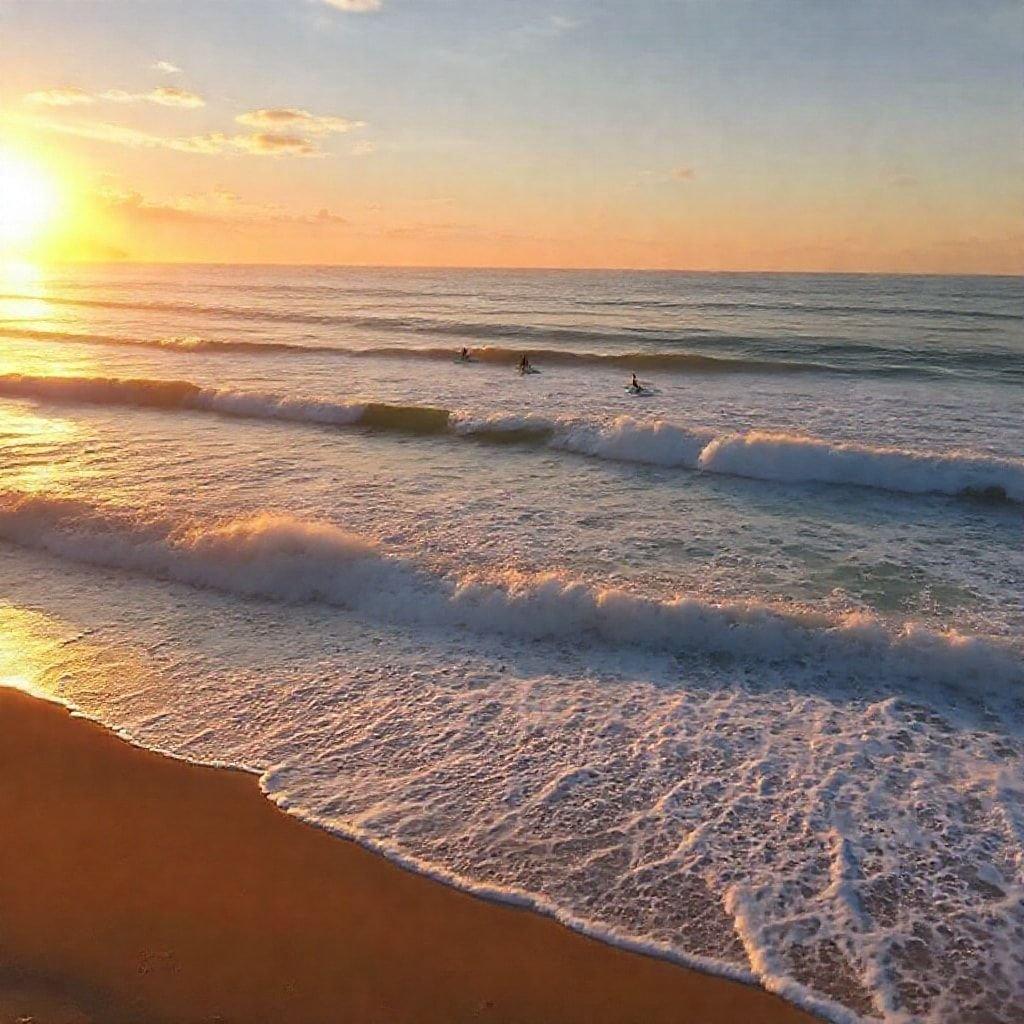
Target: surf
<point x="282" y="558"/>
<point x="771" y="456"/>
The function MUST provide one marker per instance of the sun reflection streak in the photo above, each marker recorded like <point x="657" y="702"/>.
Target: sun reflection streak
<point x="27" y="316"/>
<point x="30" y="648"/>
<point x="51" y="657"/>
<point x="23" y="292"/>
<point x="34" y="448"/>
<point x="21" y="357"/>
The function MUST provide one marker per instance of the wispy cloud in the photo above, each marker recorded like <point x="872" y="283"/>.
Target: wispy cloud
<point x="170" y="96"/>
<point x="133" y="205"/>
<point x="71" y="95"/>
<point x="549" y="26"/>
<point x="560" y="23"/>
<point x="165" y="96"/>
<point x="325" y="216"/>
<point x="217" y="207"/>
<point x="647" y="179"/>
<point x="166" y="67"/>
<point x="210" y="144"/>
<point x="62" y="96"/>
<point x="274" y="144"/>
<point x="293" y="119"/>
<point x="364" y="148"/>
<point x="355" y="6"/>
<point x="427" y="230"/>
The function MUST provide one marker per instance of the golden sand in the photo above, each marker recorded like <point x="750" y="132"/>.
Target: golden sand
<point x="137" y="888"/>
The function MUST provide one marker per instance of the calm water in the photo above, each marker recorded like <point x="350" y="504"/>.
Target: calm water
<point x="732" y="669"/>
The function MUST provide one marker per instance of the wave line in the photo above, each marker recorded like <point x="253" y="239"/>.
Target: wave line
<point x="282" y="558"/>
<point x="757" y="454"/>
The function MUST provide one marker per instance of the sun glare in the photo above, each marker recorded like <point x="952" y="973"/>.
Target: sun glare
<point x="28" y="199"/>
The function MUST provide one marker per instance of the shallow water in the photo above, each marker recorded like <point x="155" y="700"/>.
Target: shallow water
<point x="733" y="670"/>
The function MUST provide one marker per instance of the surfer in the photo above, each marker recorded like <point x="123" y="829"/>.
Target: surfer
<point x="635" y="386"/>
<point x="524" y="364"/>
<point x="464" y="355"/>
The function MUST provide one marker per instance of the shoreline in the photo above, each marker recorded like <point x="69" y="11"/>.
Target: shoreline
<point x="138" y="887"/>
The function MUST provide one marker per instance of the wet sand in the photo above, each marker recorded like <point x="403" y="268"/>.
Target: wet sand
<point x="137" y="888"/>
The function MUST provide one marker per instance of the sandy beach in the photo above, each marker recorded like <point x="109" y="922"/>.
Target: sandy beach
<point x="135" y="887"/>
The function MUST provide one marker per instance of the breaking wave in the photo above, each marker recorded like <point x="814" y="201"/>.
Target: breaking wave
<point x="758" y="454"/>
<point x="286" y="559"/>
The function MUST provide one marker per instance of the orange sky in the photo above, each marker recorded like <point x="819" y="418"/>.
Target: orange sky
<point x="665" y="135"/>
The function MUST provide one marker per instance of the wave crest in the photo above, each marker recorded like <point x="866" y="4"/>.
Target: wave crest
<point x="760" y="455"/>
<point x="764" y="455"/>
<point x="281" y="558"/>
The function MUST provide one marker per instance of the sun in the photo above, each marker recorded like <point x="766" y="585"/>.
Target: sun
<point x="28" y="199"/>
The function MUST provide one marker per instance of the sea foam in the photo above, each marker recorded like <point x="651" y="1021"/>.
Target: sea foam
<point x="282" y="558"/>
<point x="762" y="455"/>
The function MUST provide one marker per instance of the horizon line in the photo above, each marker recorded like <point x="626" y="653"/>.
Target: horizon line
<point x="512" y="269"/>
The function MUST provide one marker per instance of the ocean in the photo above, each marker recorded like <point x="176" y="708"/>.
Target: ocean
<point x="731" y="670"/>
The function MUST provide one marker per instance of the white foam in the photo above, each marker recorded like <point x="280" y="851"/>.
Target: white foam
<point x="767" y="455"/>
<point x="625" y="439"/>
<point x="762" y="455"/>
<point x="266" y="405"/>
<point x="282" y="558"/>
<point x="785" y="457"/>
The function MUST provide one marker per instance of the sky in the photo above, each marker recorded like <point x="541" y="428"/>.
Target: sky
<point x="833" y="135"/>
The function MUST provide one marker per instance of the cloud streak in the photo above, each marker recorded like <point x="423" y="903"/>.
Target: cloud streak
<point x="355" y="6"/>
<point x="218" y="207"/>
<point x="681" y="174"/>
<point x="210" y="144"/>
<point x="71" y="95"/>
<point x="62" y="96"/>
<point x="295" y="120"/>
<point x="274" y="144"/>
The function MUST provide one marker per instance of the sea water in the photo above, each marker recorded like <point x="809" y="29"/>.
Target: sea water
<point x="732" y="671"/>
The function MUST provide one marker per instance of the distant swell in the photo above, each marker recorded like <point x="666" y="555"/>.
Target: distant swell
<point x="840" y="356"/>
<point x="282" y="558"/>
<point x="362" y="321"/>
<point x="686" y="362"/>
<point x="683" y="307"/>
<point x="692" y="362"/>
<point x="181" y="343"/>
<point x="761" y="455"/>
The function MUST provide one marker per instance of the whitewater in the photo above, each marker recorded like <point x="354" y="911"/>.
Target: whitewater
<point x="757" y="454"/>
<point x="731" y="672"/>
